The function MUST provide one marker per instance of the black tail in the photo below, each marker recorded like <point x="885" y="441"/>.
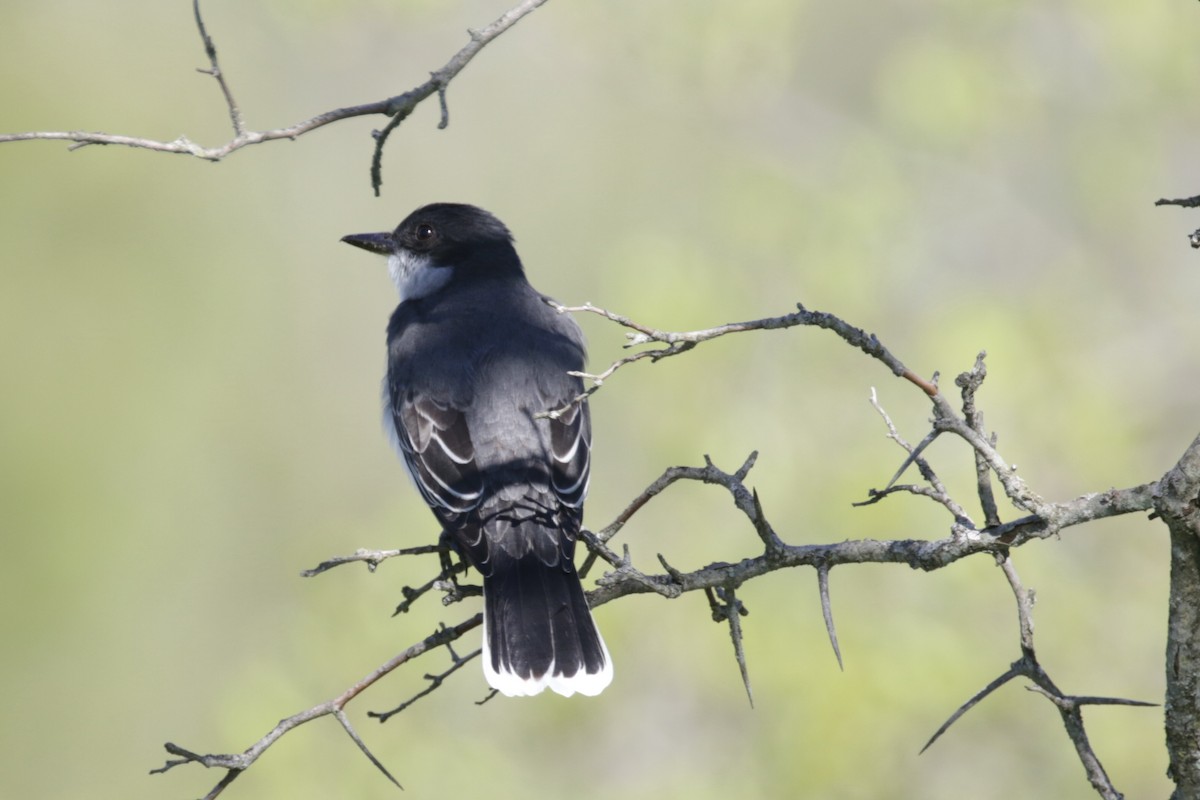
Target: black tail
<point x="538" y="631"/>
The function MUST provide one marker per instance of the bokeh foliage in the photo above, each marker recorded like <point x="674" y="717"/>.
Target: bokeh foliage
<point x="189" y="403"/>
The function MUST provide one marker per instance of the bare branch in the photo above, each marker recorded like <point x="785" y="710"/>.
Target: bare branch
<point x="675" y="343"/>
<point x="946" y="419"/>
<point x="924" y="554"/>
<point x="397" y="107"/>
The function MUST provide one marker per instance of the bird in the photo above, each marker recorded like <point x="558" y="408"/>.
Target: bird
<point x="477" y="359"/>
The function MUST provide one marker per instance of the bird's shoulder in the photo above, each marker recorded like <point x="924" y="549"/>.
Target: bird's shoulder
<point x="508" y="335"/>
<point x="482" y="315"/>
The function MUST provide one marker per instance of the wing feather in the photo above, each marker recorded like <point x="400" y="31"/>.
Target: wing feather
<point x="571" y="452"/>
<point x="436" y="444"/>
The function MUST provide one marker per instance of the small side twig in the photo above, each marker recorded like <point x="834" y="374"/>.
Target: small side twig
<point x="435" y="681"/>
<point x="210" y="49"/>
<point x="970" y="382"/>
<point x="372" y="558"/>
<point x="936" y="490"/>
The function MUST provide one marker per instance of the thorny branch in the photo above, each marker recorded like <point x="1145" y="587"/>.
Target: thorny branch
<point x="674" y="343"/>
<point x="237" y="763"/>
<point x="1069" y="707"/>
<point x="397" y="108"/>
<point x="720" y="580"/>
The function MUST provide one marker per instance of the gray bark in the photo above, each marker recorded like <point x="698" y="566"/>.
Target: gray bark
<point x="1177" y="503"/>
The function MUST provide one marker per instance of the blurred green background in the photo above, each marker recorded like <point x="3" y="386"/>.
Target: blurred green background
<point x="191" y="361"/>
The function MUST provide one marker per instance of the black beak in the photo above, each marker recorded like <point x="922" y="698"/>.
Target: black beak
<point x="381" y="243"/>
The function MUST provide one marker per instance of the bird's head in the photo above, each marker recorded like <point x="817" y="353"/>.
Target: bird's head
<point x="439" y="243"/>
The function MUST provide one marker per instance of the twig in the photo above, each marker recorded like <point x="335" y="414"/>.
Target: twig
<point x="969" y="383"/>
<point x="435" y="681"/>
<point x="936" y="489"/>
<point x="372" y="558"/>
<point x="210" y="48"/>
<point x="1024" y="602"/>
<point x="237" y="763"/>
<point x="444" y="580"/>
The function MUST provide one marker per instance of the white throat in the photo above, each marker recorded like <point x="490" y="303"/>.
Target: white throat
<point x="415" y="276"/>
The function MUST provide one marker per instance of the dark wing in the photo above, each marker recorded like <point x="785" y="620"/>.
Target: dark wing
<point x="571" y="453"/>
<point x="437" y="449"/>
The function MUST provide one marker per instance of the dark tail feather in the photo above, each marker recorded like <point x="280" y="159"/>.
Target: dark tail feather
<point x="538" y="631"/>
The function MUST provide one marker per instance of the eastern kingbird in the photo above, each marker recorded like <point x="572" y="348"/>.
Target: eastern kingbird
<point x="475" y="358"/>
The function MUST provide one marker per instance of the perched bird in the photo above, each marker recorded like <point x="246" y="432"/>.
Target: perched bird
<point x="475" y="359"/>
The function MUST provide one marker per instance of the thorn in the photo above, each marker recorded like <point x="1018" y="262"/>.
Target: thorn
<point x="1013" y="672"/>
<point x="912" y="457"/>
<point x="342" y="718"/>
<point x="729" y="608"/>
<point x="827" y="612"/>
<point x="675" y="574"/>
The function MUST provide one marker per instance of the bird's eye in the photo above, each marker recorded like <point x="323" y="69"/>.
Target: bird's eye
<point x="425" y="232"/>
